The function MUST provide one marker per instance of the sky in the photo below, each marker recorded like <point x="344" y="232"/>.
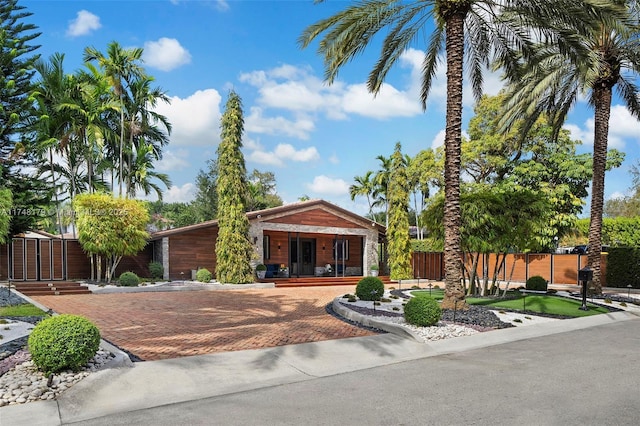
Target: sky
<point x="314" y="137"/>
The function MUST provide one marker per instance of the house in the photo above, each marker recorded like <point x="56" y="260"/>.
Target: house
<point x="307" y="238"/>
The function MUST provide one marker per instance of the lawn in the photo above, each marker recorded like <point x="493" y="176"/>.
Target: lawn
<point x="23" y="310"/>
<point x="552" y="305"/>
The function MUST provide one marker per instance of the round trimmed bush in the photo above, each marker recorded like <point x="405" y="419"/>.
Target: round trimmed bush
<point x="370" y="288"/>
<point x="156" y="270"/>
<point x="536" y="283"/>
<point x="422" y="311"/>
<point x="129" y="279"/>
<point x="63" y="342"/>
<point x="203" y="275"/>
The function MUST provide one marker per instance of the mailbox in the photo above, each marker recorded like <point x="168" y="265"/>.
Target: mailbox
<point x="585" y="274"/>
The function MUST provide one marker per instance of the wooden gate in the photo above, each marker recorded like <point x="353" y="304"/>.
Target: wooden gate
<point x="34" y="259"/>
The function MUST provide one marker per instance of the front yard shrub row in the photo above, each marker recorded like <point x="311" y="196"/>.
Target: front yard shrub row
<point x="63" y="342"/>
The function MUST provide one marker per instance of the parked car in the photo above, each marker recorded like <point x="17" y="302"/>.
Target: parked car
<point x="582" y="249"/>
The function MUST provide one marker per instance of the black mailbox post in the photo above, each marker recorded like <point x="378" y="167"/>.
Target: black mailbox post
<point x="584" y="275"/>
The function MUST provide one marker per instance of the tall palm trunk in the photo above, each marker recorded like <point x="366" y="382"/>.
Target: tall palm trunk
<point x="602" y="105"/>
<point x="121" y="142"/>
<point x="454" y="291"/>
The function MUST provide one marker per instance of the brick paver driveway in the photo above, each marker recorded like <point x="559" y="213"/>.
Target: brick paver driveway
<point x="158" y="325"/>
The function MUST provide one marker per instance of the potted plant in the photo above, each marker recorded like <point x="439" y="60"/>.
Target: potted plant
<point x="261" y="271"/>
<point x="374" y="270"/>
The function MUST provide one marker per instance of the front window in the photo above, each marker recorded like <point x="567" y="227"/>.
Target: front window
<point x="340" y="249"/>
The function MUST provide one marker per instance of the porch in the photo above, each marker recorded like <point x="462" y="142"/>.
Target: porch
<point x="320" y="281"/>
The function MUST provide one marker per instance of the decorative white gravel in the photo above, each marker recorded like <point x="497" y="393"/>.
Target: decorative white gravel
<point x="24" y="383"/>
<point x="437" y="332"/>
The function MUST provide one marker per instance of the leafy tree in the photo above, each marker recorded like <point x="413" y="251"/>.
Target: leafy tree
<point x="495" y="219"/>
<point x="628" y="206"/>
<point x="398" y="241"/>
<point x="110" y="227"/>
<point x="539" y="159"/>
<point x="479" y="28"/>
<point x="5" y="218"/>
<point x="171" y="215"/>
<point x="205" y="203"/>
<point x="261" y="192"/>
<point x="233" y="248"/>
<point x="605" y="56"/>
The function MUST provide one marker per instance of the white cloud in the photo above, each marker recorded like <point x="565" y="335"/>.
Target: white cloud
<point x="255" y="122"/>
<point x="296" y="89"/>
<point x="195" y="119"/>
<point x="325" y="185"/>
<point x="389" y="102"/>
<point x="180" y="194"/>
<point x="165" y="54"/>
<point x="622" y="127"/>
<point x="288" y="152"/>
<point x="282" y="154"/>
<point x="173" y="160"/>
<point x="84" y="24"/>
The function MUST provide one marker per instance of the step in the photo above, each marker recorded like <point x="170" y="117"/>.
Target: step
<point x="44" y="288"/>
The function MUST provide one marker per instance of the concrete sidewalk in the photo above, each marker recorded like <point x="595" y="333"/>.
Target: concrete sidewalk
<point x="158" y="383"/>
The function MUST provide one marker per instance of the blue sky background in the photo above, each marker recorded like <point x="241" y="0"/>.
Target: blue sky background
<point x="315" y="138"/>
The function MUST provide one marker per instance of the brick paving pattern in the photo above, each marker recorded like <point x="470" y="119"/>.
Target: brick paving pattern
<point x="160" y="325"/>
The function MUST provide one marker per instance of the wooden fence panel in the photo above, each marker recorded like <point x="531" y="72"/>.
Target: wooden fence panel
<point x="17" y="250"/>
<point x="45" y="260"/>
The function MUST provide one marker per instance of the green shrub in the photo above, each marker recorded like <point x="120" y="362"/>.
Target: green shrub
<point x="129" y="279"/>
<point x="623" y="267"/>
<point x="203" y="275"/>
<point x="63" y="342"/>
<point x="261" y="267"/>
<point x="370" y="288"/>
<point x="422" y="311"/>
<point x="536" y="283"/>
<point x="156" y="270"/>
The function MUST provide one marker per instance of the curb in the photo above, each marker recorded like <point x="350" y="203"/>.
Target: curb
<point x="368" y="321"/>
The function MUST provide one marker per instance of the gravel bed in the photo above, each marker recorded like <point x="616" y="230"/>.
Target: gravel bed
<point x="23" y="382"/>
<point x="8" y="298"/>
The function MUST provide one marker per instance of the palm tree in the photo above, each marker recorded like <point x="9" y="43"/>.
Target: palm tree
<point x="144" y="125"/>
<point x="93" y="107"/>
<point x="141" y="174"/>
<point x="363" y="186"/>
<point x="480" y="28"/>
<point x="381" y="185"/>
<point x="555" y="79"/>
<point x="121" y="67"/>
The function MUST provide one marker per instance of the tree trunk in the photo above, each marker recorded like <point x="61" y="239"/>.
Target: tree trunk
<point x="454" y="293"/>
<point x="602" y="103"/>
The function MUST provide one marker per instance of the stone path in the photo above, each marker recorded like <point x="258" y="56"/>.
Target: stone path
<point x="160" y="325"/>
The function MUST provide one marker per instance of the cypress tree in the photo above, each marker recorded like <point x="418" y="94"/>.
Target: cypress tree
<point x="233" y="248"/>
<point x="398" y="239"/>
